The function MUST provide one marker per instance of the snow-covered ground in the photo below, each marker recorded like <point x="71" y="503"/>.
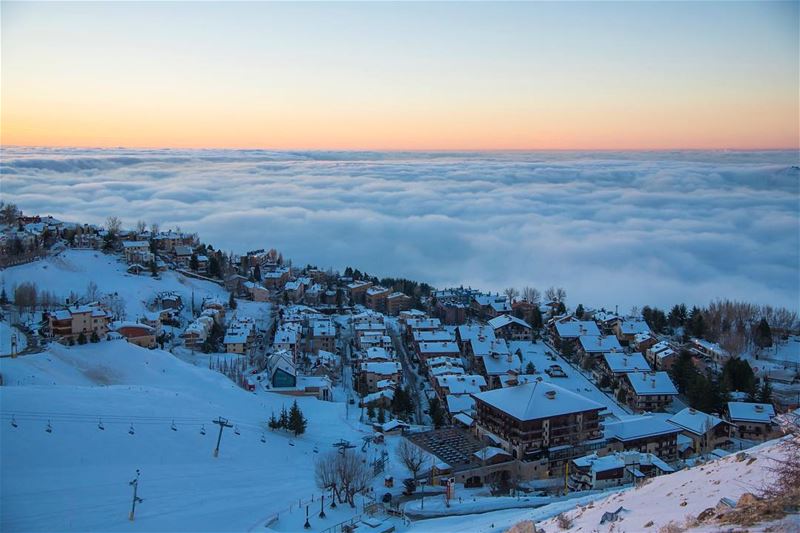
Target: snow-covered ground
<point x="72" y="270"/>
<point x="75" y="478"/>
<point x="6" y="333"/>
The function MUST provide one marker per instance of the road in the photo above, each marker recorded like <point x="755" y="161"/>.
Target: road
<point x="410" y="376"/>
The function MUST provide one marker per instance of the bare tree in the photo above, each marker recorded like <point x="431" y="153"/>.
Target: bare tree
<point x="412" y="457"/>
<point x="141" y="227"/>
<point x="25" y="297"/>
<point x="113" y="225"/>
<point x="154" y="229"/>
<point x="734" y="342"/>
<point x="532" y="295"/>
<point x="561" y="295"/>
<point x="511" y="293"/>
<point x="91" y="292"/>
<point x="352" y="475"/>
<point x="325" y="472"/>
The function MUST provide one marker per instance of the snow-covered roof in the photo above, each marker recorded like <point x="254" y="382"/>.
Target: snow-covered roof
<point x="433" y="362"/>
<point x="576" y="328"/>
<point x="375" y="396"/>
<point x="423" y="323"/>
<point x="443" y="370"/>
<point x="634" y="326"/>
<point x="621" y="460"/>
<point x="651" y="383"/>
<point x="460" y="403"/>
<point x="236" y="336"/>
<point x="376" y="352"/>
<point x="377" y="290"/>
<point x="639" y="427"/>
<point x="596" y="344"/>
<point x="439" y="347"/>
<point x="751" y="412"/>
<point x="433" y="336"/>
<point x="464" y="419"/>
<point x="695" y="421"/>
<point x="490" y="452"/>
<point x="462" y="384"/>
<point x="504" y="320"/>
<point x="383" y="369"/>
<point x="620" y="362"/>
<point x="323" y="328"/>
<point x="537" y="400"/>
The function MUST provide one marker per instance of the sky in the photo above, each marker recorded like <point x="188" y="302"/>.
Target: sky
<point x="613" y="228"/>
<point x="401" y="76"/>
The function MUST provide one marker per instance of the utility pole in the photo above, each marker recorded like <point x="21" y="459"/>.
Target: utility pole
<point x="136" y="499"/>
<point x="222" y="423"/>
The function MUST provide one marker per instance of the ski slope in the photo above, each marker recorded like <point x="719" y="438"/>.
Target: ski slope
<point x="76" y="477"/>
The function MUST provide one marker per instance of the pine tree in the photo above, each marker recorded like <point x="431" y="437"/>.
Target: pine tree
<point x="273" y="422"/>
<point x="232" y="302"/>
<point x="579" y="311"/>
<point x="370" y="412"/>
<point x="3" y="297"/>
<point x="283" y="420"/>
<point x="257" y="273"/>
<point x="297" y="422"/>
<point x="381" y="416"/>
<point x="194" y="264"/>
<point x="765" y="392"/>
<point x="763" y="335"/>
<point x="82" y="338"/>
<point x="94" y="337"/>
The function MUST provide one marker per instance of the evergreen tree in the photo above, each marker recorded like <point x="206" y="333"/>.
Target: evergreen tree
<point x="297" y="422"/>
<point x="232" y="302"/>
<point x="579" y="311"/>
<point x="437" y="413"/>
<point x="381" y="416"/>
<point x="257" y="272"/>
<point x="273" y="422"/>
<point x="94" y="337"/>
<point x="283" y="420"/>
<point x="765" y="392"/>
<point x="153" y="268"/>
<point x="370" y="412"/>
<point x="763" y="334"/>
<point x="194" y="264"/>
<point x="3" y="297"/>
<point x="530" y="368"/>
<point x="536" y="318"/>
<point x="82" y="338"/>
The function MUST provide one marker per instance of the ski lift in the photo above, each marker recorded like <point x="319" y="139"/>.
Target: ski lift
<point x="100" y="425"/>
<point x="236" y="430"/>
<point x="13" y="421"/>
<point x="49" y="427"/>
<point x="263" y="438"/>
<point x="291" y="442"/>
<point x="173" y="427"/>
<point x="203" y="429"/>
<point x="130" y="431"/>
<point x="316" y="450"/>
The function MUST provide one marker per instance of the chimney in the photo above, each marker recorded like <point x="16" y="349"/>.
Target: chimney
<point x="644" y="376"/>
<point x="759" y="408"/>
<point x="551" y="395"/>
<point x="654" y="382"/>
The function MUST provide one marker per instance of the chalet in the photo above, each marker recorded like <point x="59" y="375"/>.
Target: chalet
<point x="593" y="472"/>
<point x="648" y="391"/>
<point x="627" y="329"/>
<point x="511" y="328"/>
<point x="323" y="336"/>
<point x="461" y="403"/>
<point x="135" y="333"/>
<point x="531" y="420"/>
<point x="369" y="374"/>
<point x="614" y="364"/>
<point x="397" y="302"/>
<point x="647" y="434"/>
<point x="237" y="339"/>
<point x="375" y="298"/>
<point x="276" y="279"/>
<point x="288" y="337"/>
<point x="68" y="324"/>
<point x="661" y="355"/>
<point x="451" y="312"/>
<point x="427" y="350"/>
<point x="357" y="291"/>
<point x="137" y="252"/>
<point x="183" y="255"/>
<point x="488" y="305"/>
<point x="753" y="421"/>
<point x="377" y="355"/>
<point x="168" y="241"/>
<point x="710" y="351"/>
<point x="379" y="399"/>
<point x="463" y="384"/>
<point x="197" y="332"/>
<point x="706" y="432"/>
<point x="421" y="324"/>
<point x="256" y="292"/>
<point x="569" y="330"/>
<point x="294" y="290"/>
<point x="596" y="346"/>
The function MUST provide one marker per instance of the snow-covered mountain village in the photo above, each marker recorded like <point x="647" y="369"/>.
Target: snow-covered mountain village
<point x="154" y="382"/>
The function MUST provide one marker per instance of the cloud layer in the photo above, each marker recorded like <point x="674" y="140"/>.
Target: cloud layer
<point x="612" y="228"/>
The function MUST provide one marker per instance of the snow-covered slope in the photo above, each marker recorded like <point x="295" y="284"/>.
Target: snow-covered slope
<point x="72" y="270"/>
<point x="76" y="477"/>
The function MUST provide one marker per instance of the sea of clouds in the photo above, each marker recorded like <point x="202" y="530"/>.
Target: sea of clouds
<point x="612" y="228"/>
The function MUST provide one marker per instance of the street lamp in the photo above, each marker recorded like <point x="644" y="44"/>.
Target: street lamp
<point x="422" y="506"/>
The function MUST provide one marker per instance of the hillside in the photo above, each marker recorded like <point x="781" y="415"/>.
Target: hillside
<point x="76" y="477"/>
<point x="71" y="271"/>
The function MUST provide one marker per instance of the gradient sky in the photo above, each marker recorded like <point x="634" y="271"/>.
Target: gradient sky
<point x="401" y="76"/>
